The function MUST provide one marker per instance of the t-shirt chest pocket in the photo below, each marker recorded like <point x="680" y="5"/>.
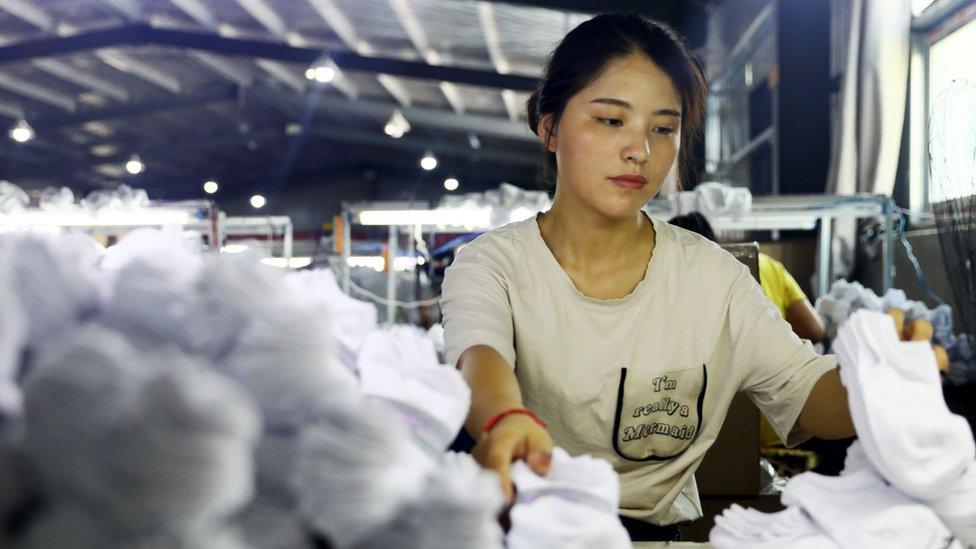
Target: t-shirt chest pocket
<point x="658" y="414"/>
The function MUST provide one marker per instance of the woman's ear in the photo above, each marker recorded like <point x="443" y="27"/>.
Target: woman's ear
<point x="547" y="132"/>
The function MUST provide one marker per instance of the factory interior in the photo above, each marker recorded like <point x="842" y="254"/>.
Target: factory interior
<point x="484" y="274"/>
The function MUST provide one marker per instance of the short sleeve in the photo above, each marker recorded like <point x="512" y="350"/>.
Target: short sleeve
<point x="777" y="369"/>
<point x="475" y="306"/>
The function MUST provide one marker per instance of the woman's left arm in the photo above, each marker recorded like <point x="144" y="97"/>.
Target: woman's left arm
<point x="825" y="413"/>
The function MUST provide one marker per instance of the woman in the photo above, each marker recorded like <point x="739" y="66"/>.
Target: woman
<point x="603" y="331"/>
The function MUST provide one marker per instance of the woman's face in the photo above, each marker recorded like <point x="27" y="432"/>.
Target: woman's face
<point x="618" y="138"/>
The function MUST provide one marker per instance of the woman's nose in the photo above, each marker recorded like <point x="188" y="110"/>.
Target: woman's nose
<point x="638" y="151"/>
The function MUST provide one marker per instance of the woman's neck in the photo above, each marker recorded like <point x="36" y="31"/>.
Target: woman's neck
<point x="580" y="238"/>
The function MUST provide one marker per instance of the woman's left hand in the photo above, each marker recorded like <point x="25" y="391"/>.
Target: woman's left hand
<point x="919" y="330"/>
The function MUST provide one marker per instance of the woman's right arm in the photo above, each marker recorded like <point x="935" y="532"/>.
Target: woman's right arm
<point x="494" y="389"/>
<point x="479" y="338"/>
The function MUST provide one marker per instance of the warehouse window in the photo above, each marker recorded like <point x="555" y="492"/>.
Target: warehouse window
<point x="939" y="57"/>
<point x="949" y="63"/>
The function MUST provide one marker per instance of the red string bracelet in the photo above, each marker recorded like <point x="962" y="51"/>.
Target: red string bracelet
<point x="493" y="420"/>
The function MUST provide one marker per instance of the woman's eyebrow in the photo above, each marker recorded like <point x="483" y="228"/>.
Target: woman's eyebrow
<point x="626" y="105"/>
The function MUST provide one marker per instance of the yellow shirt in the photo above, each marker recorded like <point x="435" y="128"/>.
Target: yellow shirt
<point x="778" y="284"/>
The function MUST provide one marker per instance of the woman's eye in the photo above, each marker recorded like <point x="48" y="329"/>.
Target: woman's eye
<point x="613" y="122"/>
<point x="664" y="130"/>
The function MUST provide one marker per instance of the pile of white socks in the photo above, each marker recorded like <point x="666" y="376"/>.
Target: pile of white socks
<point x="141" y="443"/>
<point x="909" y="481"/>
<point x="573" y="506"/>
<point x="155" y="396"/>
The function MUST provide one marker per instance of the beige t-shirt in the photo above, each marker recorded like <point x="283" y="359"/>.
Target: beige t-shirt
<point x="643" y="381"/>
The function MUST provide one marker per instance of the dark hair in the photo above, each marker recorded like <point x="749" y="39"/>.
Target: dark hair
<point x="586" y="50"/>
<point x="696" y="223"/>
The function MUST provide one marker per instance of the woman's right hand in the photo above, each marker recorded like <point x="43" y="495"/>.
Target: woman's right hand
<point x="515" y="437"/>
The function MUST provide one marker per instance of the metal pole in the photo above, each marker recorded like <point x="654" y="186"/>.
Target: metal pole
<point x="216" y="227"/>
<point x="219" y="230"/>
<point x="888" y="273"/>
<point x="346" y="252"/>
<point x="288" y="244"/>
<point x="823" y="268"/>
<point x="391" y="276"/>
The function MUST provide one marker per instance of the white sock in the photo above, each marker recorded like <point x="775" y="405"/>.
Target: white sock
<point x="581" y="478"/>
<point x="552" y="522"/>
<point x="400" y="366"/>
<point x="573" y="506"/>
<point x="896" y="402"/>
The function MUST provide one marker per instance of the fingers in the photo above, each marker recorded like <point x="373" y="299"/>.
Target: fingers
<point x="492" y="454"/>
<point x="500" y="462"/>
<point x="898" y="316"/>
<point x="539" y="453"/>
<point x="919" y="330"/>
<point x="538" y="462"/>
<point x="516" y="437"/>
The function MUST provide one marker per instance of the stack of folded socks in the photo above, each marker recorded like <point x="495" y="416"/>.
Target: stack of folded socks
<point x="573" y="506"/>
<point x="909" y="481"/>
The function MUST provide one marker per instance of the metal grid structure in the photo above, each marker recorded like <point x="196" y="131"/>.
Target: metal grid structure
<point x="217" y="88"/>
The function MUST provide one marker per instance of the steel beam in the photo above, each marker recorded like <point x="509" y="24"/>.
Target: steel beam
<point x="259" y="49"/>
<point x="117" y="112"/>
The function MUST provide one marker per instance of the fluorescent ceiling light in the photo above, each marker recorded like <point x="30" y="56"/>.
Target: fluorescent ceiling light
<point x="282" y="263"/>
<point x="468" y="218"/>
<point x="138" y="218"/>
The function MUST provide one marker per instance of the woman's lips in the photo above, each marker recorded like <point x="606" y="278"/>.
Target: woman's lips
<point x="629" y="181"/>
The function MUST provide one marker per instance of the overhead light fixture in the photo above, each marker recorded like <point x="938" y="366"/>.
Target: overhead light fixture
<point x="474" y="141"/>
<point x="210" y="187"/>
<point x="397" y="126"/>
<point x="429" y="161"/>
<point x="135" y="166"/>
<point x="258" y="202"/>
<point x="22" y="132"/>
<point x="451" y="184"/>
<point x="322" y="71"/>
